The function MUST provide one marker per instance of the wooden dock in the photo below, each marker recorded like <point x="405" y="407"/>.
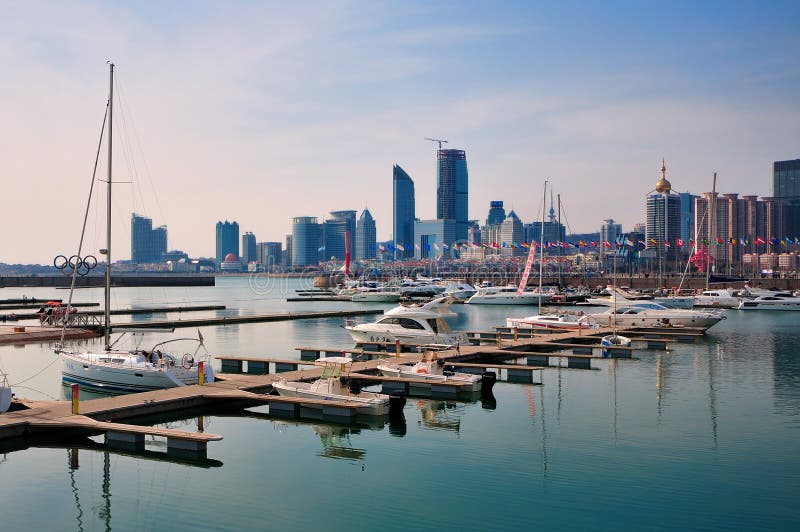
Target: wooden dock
<point x="107" y="415"/>
<point x="253" y="318"/>
<point x="18" y="334"/>
<point x="128" y="311"/>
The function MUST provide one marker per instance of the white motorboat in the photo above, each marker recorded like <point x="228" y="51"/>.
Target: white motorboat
<point x="375" y="295"/>
<point x="614" y="340"/>
<point x="423" y="288"/>
<point x="5" y="393"/>
<point x="652" y="314"/>
<point x="552" y="321"/>
<point x="113" y="370"/>
<point x="623" y="297"/>
<point x="506" y="295"/>
<point x="431" y="371"/>
<point x="770" y="303"/>
<point x="722" y="298"/>
<point x="460" y="291"/>
<point x="416" y="325"/>
<point x="329" y="387"/>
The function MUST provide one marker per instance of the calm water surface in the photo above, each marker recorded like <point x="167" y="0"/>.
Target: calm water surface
<point x="704" y="437"/>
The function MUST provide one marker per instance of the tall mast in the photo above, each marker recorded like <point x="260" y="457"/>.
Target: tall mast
<point x="712" y="205"/>
<point x="106" y="326"/>
<point x="541" y="246"/>
<point x="558" y="228"/>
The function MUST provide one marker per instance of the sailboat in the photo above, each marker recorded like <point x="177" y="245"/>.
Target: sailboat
<point x="614" y="339"/>
<point x="544" y="321"/>
<point x="115" y="370"/>
<point x="5" y="393"/>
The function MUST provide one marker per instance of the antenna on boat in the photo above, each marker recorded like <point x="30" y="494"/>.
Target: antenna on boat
<point x="541" y="245"/>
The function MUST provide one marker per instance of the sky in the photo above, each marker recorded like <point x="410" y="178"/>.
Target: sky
<point x="262" y="111"/>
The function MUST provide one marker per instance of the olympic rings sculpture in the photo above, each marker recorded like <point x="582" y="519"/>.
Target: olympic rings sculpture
<point x="75" y="264"/>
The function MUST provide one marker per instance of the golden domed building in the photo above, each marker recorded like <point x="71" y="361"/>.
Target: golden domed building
<point x="663" y="217"/>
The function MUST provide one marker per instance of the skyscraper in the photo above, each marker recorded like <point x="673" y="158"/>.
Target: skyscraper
<point x="687" y="216"/>
<point x="786" y="190"/>
<point x="147" y="244"/>
<point x="333" y="233"/>
<point x="404" y="213"/>
<point x="249" y="253"/>
<point x="609" y="232"/>
<point x="496" y="213"/>
<point x="306" y="241"/>
<point x="431" y="237"/>
<point x="366" y="239"/>
<point x="452" y="189"/>
<point x="512" y="233"/>
<point x="227" y="240"/>
<point x="270" y="255"/>
<point x="287" y="252"/>
<point x="663" y="217"/>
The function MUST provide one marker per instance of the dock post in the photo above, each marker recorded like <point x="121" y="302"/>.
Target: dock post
<point x="201" y="374"/>
<point x="75" y="399"/>
<point x="397" y="348"/>
<point x="499" y="339"/>
<point x="516" y="333"/>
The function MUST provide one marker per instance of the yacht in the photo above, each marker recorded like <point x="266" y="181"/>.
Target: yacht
<point x="412" y="324"/>
<point x="375" y="295"/>
<point x="652" y="314"/>
<point x="623" y="297"/>
<point x="460" y="291"/>
<point x="722" y="298"/>
<point x="329" y="387"/>
<point x="506" y="295"/>
<point x="112" y="370"/>
<point x="552" y="321"/>
<point x="771" y="303"/>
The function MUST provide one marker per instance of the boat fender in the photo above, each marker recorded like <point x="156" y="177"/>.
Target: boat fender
<point x="187" y="361"/>
<point x="488" y="378"/>
<point x="422" y="370"/>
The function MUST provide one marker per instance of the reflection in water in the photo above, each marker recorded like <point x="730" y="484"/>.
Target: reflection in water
<point x="72" y="455"/>
<point x="613" y="375"/>
<point x="440" y="415"/>
<point x="335" y="439"/>
<point x="659" y="384"/>
<point x="712" y="395"/>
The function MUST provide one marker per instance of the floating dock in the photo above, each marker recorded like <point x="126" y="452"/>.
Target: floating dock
<point x="107" y="415"/>
<point x="16" y="334"/>
<point x="254" y="318"/>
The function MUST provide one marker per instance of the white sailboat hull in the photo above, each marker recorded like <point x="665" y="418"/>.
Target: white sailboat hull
<point x="88" y="372"/>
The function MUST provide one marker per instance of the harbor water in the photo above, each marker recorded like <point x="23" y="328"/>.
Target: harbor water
<point x="701" y="437"/>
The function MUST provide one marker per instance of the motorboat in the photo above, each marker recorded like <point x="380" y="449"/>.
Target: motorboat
<point x="623" y="297"/>
<point x="330" y="387"/>
<point x="722" y="298"/>
<point x="460" y="291"/>
<point x="5" y="393"/>
<point x="507" y="295"/>
<point x="375" y="295"/>
<point x="552" y="321"/>
<point x="652" y="314"/>
<point x="423" y="288"/>
<point x="614" y="340"/>
<point x="770" y="303"/>
<point x="138" y="370"/>
<point x="432" y="371"/>
<point x="113" y="370"/>
<point x="412" y="324"/>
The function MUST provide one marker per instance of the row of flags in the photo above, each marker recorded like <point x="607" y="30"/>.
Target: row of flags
<point x="619" y="243"/>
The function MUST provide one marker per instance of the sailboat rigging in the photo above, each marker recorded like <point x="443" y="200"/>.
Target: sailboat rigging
<point x="113" y="370"/>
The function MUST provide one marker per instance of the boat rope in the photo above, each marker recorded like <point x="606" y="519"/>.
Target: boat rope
<point x="56" y="359"/>
<point x="83" y="229"/>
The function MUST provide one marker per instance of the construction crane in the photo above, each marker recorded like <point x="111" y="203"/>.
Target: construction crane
<point x="437" y="140"/>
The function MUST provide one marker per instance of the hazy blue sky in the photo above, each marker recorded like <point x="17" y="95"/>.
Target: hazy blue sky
<point x="262" y="111"/>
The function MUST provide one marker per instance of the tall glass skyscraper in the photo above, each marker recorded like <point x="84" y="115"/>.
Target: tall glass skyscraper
<point x="663" y="217"/>
<point x="227" y="240"/>
<point x="404" y="213"/>
<point x="497" y="214"/>
<point x="306" y="241"/>
<point x="452" y="190"/>
<point x="334" y="230"/>
<point x="249" y="253"/>
<point x="786" y="190"/>
<point x="366" y="239"/>
<point x="147" y="244"/>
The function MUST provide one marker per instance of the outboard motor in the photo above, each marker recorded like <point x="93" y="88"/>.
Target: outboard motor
<point x="488" y="378"/>
<point x="397" y="401"/>
<point x="354" y="386"/>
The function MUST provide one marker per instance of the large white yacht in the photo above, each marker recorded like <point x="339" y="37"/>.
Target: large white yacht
<point x="770" y="303"/>
<point x="552" y="321"/>
<point x="460" y="291"/>
<point x="416" y="325"/>
<point x="506" y="295"/>
<point x="722" y="298"/>
<point x="623" y="297"/>
<point x="652" y="314"/>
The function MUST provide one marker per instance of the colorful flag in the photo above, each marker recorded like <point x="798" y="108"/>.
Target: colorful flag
<point x="759" y="241"/>
<point x="400" y="247"/>
<point x="679" y="242"/>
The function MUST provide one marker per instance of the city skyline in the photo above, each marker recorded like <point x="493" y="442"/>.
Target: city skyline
<point x="591" y="97"/>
